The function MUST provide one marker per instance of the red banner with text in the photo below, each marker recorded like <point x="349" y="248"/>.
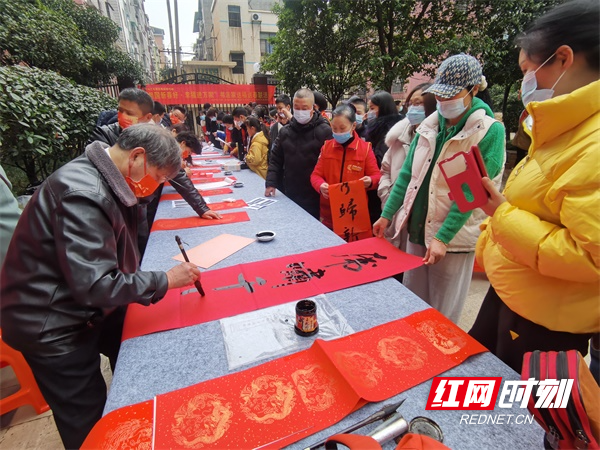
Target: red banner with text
<point x="196" y="94"/>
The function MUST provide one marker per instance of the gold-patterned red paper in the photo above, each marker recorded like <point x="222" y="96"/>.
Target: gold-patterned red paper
<point x="285" y="400"/>
<point x="282" y="401"/>
<point x="193" y="222"/>
<point x="128" y="428"/>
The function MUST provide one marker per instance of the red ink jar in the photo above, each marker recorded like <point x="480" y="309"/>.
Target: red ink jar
<point x="306" y="318"/>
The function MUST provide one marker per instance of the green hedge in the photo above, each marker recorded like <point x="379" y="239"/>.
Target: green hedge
<point x="45" y="119"/>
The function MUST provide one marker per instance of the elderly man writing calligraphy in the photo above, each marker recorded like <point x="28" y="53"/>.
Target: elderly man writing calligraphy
<point x="73" y="264"/>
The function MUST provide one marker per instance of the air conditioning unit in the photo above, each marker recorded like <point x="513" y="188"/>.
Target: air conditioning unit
<point x="255" y="17"/>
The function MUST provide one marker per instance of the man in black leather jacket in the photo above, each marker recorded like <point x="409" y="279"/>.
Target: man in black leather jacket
<point x="295" y="153"/>
<point x="73" y="265"/>
<point x="136" y="106"/>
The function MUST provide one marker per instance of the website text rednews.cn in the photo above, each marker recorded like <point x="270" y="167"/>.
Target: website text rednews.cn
<point x="481" y="393"/>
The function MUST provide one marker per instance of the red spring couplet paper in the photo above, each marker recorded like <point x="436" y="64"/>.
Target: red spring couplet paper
<point x="193" y="222"/>
<point x="248" y="287"/>
<point x="209" y="193"/>
<point x="200" y="180"/>
<point x="196" y="170"/>
<point x="202" y="174"/>
<point x="350" y="210"/>
<point x="282" y="401"/>
<point x="130" y="427"/>
<point x="221" y="206"/>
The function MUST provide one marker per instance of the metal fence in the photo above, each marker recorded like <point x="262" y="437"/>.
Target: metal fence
<point x="110" y="89"/>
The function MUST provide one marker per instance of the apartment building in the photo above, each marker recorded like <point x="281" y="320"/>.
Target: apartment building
<point x="235" y="32"/>
<point x="136" y="36"/>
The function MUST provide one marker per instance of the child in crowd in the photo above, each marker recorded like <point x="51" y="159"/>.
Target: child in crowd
<point x="259" y="146"/>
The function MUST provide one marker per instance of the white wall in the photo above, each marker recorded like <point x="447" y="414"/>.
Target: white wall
<point x="244" y="39"/>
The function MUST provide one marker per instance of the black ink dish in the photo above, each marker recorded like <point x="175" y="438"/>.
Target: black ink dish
<point x="265" y="236"/>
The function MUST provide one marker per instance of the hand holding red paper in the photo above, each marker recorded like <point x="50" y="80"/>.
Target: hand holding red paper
<point x="325" y="190"/>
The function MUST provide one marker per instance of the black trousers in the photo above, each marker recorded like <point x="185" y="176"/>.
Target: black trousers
<point x="73" y="385"/>
<point x="496" y="321"/>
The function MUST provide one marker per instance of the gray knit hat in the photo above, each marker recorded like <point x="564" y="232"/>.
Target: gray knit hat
<point x="454" y="74"/>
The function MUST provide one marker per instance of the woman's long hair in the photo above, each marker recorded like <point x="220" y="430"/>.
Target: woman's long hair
<point x="258" y="125"/>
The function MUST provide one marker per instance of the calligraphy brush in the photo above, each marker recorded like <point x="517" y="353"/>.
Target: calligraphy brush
<point x="185" y="256"/>
<point x="381" y="414"/>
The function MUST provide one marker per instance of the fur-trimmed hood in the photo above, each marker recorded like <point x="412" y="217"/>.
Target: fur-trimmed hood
<point x="400" y="131"/>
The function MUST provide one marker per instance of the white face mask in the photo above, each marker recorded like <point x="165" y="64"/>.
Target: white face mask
<point x="302" y="116"/>
<point x="451" y="109"/>
<point x="529" y="90"/>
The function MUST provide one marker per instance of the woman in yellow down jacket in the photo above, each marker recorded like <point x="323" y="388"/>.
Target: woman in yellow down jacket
<point x="541" y="245"/>
<point x="258" y="150"/>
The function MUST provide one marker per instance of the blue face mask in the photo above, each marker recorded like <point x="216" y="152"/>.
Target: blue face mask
<point x="202" y="117"/>
<point x="213" y="119"/>
<point x="415" y="114"/>
<point x="359" y="120"/>
<point x="342" y="138"/>
<point x="372" y="115"/>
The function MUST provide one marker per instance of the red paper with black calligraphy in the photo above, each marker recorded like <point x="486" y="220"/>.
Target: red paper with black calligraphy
<point x="350" y="210"/>
<point x="248" y="287"/>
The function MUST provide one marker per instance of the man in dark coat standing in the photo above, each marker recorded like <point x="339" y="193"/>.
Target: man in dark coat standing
<point x="296" y="151"/>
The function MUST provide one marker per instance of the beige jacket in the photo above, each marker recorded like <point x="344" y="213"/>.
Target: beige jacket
<point x="475" y="128"/>
<point x="398" y="141"/>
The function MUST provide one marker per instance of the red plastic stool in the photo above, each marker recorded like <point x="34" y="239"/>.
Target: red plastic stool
<point x="29" y="394"/>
